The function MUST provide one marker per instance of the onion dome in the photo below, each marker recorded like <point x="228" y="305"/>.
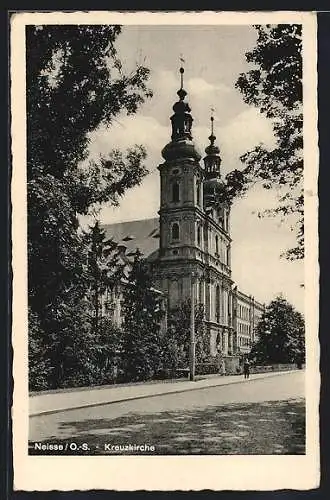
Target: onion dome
<point x="180" y="149"/>
<point x="181" y="145"/>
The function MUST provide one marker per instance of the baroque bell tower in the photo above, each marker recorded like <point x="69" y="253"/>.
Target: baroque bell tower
<point x="194" y="253"/>
<point x="217" y="234"/>
<point x="181" y="207"/>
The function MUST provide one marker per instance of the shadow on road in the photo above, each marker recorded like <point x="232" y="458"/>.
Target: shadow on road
<point x="273" y="427"/>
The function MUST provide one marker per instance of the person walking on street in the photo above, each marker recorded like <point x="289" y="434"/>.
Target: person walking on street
<point x="246" y="368"/>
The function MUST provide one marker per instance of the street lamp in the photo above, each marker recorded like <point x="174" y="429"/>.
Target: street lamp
<point x="192" y="350"/>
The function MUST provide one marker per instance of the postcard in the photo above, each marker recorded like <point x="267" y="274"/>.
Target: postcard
<point x="165" y="250"/>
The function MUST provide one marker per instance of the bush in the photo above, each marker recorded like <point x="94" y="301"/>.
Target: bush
<point x="207" y="369"/>
<point x="82" y="358"/>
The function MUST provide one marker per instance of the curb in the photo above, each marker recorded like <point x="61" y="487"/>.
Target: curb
<point x="145" y="396"/>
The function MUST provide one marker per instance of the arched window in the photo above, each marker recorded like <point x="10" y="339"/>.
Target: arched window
<point x="217" y="304"/>
<point x="216" y="244"/>
<point x="175" y="231"/>
<point x="175" y="192"/>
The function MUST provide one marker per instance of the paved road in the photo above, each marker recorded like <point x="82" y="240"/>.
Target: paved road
<point x="111" y="419"/>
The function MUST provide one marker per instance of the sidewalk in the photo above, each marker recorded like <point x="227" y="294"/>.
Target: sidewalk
<point x="81" y="398"/>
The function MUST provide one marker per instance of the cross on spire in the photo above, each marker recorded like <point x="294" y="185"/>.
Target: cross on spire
<point x="182" y="60"/>
<point x="212" y="120"/>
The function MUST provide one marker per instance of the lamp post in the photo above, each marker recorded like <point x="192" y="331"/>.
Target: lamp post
<point x="192" y="350"/>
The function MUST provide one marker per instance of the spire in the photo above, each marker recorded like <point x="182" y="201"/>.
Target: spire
<point x="182" y="119"/>
<point x="182" y="70"/>
<point x="181" y="138"/>
<point x="212" y="149"/>
<point x="181" y="92"/>
<point x="212" y="160"/>
<point x="212" y="137"/>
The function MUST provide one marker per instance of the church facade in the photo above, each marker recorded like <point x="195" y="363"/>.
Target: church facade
<point x="189" y="245"/>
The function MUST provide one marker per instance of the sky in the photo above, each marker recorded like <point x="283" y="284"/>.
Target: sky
<point x="214" y="58"/>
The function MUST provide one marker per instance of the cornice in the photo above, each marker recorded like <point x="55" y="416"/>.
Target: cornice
<point x="182" y="162"/>
<point x="182" y="208"/>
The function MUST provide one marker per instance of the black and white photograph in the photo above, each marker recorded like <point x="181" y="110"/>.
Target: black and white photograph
<point x="165" y="203"/>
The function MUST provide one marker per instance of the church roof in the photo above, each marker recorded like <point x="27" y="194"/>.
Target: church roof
<point x="142" y="234"/>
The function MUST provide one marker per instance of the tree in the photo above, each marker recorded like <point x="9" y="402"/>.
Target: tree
<point x="75" y="82"/>
<point x="39" y="364"/>
<point x="105" y="352"/>
<point x="280" y="334"/>
<point x="142" y="315"/>
<point x="105" y="271"/>
<point x="274" y="85"/>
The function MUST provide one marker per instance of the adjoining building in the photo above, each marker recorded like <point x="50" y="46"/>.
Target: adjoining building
<point x="189" y="245"/>
<point x="247" y="313"/>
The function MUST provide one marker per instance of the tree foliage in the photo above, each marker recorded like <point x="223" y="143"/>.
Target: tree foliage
<point x="78" y="345"/>
<point x="142" y="315"/>
<point x="75" y="82"/>
<point x="105" y="353"/>
<point x="40" y="369"/>
<point x="274" y="85"/>
<point x="280" y="334"/>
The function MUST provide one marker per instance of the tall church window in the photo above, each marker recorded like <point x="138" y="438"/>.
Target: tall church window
<point x="216" y="244"/>
<point x="198" y="192"/>
<point x="175" y="192"/>
<point x="198" y="235"/>
<point x="228" y="256"/>
<point x="229" y="304"/>
<point x="200" y="298"/>
<point x="174" y="292"/>
<point x="180" y="289"/>
<point x="175" y="231"/>
<point x="217" y="304"/>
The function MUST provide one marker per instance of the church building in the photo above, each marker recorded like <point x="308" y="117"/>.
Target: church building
<point x="189" y="245"/>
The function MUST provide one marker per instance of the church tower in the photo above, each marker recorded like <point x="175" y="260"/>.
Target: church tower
<point x="218" y="250"/>
<point x="181" y="207"/>
<point x="194" y="252"/>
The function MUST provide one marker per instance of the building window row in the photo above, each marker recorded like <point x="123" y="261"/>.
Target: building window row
<point x="243" y="329"/>
<point x="243" y="312"/>
<point x="224" y="251"/>
<point x="176" y="192"/>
